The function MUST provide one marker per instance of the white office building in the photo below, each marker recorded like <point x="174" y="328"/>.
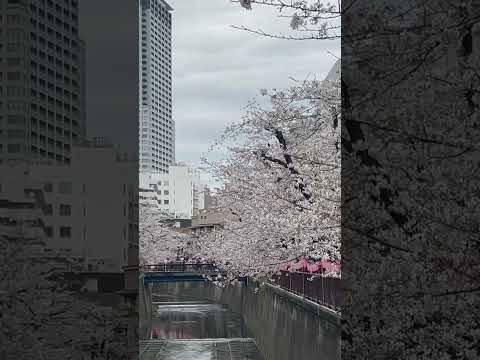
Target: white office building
<point x="172" y="191"/>
<point x="156" y="128"/>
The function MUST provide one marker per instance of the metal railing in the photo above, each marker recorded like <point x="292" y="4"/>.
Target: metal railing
<point x="180" y="267"/>
<point x="326" y="291"/>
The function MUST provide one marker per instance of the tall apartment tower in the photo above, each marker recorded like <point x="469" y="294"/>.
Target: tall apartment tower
<point x="157" y="128"/>
<point x="42" y="107"/>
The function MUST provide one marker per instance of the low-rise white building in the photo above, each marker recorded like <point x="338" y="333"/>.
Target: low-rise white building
<point x="173" y="191"/>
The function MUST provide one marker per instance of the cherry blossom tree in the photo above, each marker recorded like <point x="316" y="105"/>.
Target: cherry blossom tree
<point x="40" y="316"/>
<point x="158" y="239"/>
<point x="282" y="181"/>
<point x="309" y="19"/>
<point x="411" y="223"/>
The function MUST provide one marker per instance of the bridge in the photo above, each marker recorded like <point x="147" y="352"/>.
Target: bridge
<point x="178" y="272"/>
<point x="171" y="272"/>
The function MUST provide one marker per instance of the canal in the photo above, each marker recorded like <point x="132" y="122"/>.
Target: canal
<point x="202" y="321"/>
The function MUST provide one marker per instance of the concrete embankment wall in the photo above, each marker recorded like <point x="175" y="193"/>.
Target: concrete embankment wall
<point x="284" y="327"/>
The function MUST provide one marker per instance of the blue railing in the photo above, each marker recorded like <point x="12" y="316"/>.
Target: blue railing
<point x="179" y="267"/>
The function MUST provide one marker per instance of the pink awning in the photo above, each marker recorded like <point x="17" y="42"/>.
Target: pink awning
<point x="312" y="268"/>
<point x="300" y="265"/>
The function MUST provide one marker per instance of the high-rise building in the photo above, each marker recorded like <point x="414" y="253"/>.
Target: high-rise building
<point x="335" y="72"/>
<point x="157" y="128"/>
<point x="42" y="80"/>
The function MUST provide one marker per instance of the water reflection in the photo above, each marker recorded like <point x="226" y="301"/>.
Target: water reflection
<point x="196" y="321"/>
<point x="221" y="349"/>
<point x="201" y="321"/>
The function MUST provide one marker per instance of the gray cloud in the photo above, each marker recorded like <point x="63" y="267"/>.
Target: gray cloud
<point x="217" y="69"/>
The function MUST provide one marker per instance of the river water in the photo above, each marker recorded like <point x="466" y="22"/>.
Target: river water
<point x="203" y="322"/>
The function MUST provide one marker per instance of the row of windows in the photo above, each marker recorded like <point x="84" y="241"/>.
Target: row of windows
<point x="38" y="95"/>
<point x="63" y="209"/>
<point x="54" y="46"/>
<point x="147" y="157"/>
<point x="60" y="131"/>
<point x="160" y="71"/>
<point x="158" y="33"/>
<point x="165" y="82"/>
<point x="59" y="118"/>
<point x="62" y="187"/>
<point x="13" y="19"/>
<point x="12" y="148"/>
<point x="63" y="231"/>
<point x="57" y="62"/>
<point x="49" y="154"/>
<point x="163" y="168"/>
<point x="42" y="125"/>
<point x="43" y="111"/>
<point x="44" y="140"/>
<point x="164" y="153"/>
<point x="157" y="59"/>
<point x="159" y="100"/>
<point x="154" y="137"/>
<point x="155" y="162"/>
<point x="53" y="34"/>
<point x="53" y="20"/>
<point x="147" y="66"/>
<point x="59" y="9"/>
<point x="163" y="128"/>
<point x="55" y="101"/>
<point x="165" y="137"/>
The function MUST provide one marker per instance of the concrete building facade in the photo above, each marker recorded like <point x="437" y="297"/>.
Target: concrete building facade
<point x="41" y="80"/>
<point x="75" y="203"/>
<point x="156" y="128"/>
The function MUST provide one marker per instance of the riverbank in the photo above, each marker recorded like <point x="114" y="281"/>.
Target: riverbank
<point x="318" y="309"/>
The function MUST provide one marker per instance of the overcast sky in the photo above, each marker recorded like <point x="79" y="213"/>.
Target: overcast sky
<point x="218" y="69"/>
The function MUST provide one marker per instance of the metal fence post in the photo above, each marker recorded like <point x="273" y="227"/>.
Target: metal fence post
<point x="303" y="285"/>
<point x="323" y="292"/>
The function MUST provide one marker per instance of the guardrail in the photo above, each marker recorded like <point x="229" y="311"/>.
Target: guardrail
<point x="179" y="267"/>
<point x="326" y="291"/>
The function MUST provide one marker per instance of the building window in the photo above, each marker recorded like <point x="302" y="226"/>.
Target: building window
<point x="14" y="148"/>
<point x="166" y="202"/>
<point x="166" y="192"/>
<point x="49" y="231"/>
<point x="49" y="209"/>
<point x="48" y="187"/>
<point x="65" y="231"/>
<point x="65" y="210"/>
<point x="65" y="187"/>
